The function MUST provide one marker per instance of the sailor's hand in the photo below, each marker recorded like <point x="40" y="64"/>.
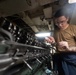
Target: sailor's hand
<point x="50" y="39"/>
<point x="63" y="44"/>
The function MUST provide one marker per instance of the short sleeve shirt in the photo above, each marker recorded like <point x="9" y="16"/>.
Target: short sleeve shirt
<point x="68" y="35"/>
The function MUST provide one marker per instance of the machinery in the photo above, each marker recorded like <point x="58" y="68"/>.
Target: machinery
<point x="20" y="51"/>
<point x="23" y="58"/>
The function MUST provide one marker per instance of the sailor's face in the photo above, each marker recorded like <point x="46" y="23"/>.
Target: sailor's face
<point x="61" y="22"/>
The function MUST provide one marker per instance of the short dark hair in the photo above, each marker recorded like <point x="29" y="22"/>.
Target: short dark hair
<point x="61" y="12"/>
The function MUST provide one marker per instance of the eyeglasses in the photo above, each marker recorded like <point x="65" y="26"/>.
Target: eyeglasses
<point x="61" y="22"/>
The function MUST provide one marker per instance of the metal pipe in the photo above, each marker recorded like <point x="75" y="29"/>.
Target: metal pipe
<point x="38" y="60"/>
<point x="24" y="45"/>
<point x="27" y="65"/>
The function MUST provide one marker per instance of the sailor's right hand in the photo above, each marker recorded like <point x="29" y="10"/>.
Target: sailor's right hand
<point x="50" y="39"/>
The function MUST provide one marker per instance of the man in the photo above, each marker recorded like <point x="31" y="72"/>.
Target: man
<point x="64" y="37"/>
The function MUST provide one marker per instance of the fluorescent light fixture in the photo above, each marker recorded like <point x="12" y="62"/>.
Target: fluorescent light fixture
<point x="72" y="1"/>
<point x="42" y="34"/>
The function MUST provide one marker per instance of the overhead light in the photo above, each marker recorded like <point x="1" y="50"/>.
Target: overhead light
<point x="46" y="34"/>
<point x="72" y="1"/>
